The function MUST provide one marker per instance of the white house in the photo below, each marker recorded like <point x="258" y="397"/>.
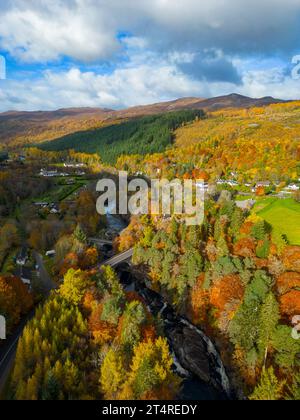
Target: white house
<point x="54" y="210"/>
<point x="73" y="165"/>
<point x="51" y="253"/>
<point x="265" y="184"/>
<point x="292" y="187"/>
<point x="22" y="257"/>
<point x="48" y="174"/>
<point x="246" y="204"/>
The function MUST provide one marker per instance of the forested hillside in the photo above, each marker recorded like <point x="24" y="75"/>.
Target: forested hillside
<point x="229" y="277"/>
<point x="142" y="136"/>
<point x="257" y="144"/>
<point x="21" y="128"/>
<point x="236" y="276"/>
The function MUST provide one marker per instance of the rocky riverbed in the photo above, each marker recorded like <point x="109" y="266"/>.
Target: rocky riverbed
<point x="196" y="359"/>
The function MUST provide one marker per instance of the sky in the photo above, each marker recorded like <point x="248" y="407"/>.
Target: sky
<point x="122" y="53"/>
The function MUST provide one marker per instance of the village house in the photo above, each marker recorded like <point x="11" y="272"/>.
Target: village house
<point x="22" y="257"/>
<point x="230" y="182"/>
<point x="51" y="253"/>
<point x="42" y="204"/>
<point x="48" y="174"/>
<point x="73" y="165"/>
<point x="265" y="184"/>
<point x="245" y="204"/>
<point x="292" y="187"/>
<point x="54" y="209"/>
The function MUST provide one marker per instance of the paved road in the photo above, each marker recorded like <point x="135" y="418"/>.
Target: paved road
<point x="118" y="259"/>
<point x="8" y="347"/>
<point x="47" y="283"/>
<point x="8" y="351"/>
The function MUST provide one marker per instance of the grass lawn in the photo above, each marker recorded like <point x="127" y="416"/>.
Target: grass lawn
<point x="60" y="192"/>
<point x="283" y="215"/>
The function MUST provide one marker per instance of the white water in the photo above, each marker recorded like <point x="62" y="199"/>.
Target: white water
<point x="212" y="350"/>
<point x="179" y="369"/>
<point x="163" y="308"/>
<point x="220" y="369"/>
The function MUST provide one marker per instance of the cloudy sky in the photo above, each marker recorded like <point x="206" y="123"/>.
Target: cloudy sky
<point x="120" y="53"/>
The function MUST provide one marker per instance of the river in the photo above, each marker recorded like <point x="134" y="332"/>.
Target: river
<point x="196" y="358"/>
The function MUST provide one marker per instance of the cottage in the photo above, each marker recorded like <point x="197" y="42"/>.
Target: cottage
<point x="73" y="165"/>
<point x="233" y="183"/>
<point x="48" y="174"/>
<point x="54" y="210"/>
<point x="22" y="257"/>
<point x="265" y="184"/>
<point x="245" y="204"/>
<point x="41" y="204"/>
<point x="220" y="182"/>
<point x="51" y="253"/>
<point x="292" y="187"/>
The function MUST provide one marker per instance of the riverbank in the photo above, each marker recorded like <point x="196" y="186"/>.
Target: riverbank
<point x="196" y="359"/>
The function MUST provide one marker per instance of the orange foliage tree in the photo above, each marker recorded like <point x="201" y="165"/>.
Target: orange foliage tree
<point x="288" y="281"/>
<point x="290" y="304"/>
<point x="245" y="247"/>
<point x="199" y="301"/>
<point x="15" y="299"/>
<point x="226" y="290"/>
<point x="291" y="258"/>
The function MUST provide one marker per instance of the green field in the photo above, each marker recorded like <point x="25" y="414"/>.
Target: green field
<point x="60" y="192"/>
<point x="283" y="215"/>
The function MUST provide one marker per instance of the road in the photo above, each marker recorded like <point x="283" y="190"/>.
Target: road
<point x="9" y="347"/>
<point x="47" y="283"/>
<point x="8" y="351"/>
<point x="118" y="259"/>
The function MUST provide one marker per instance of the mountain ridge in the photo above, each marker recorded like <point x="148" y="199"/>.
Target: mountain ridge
<point x="18" y="128"/>
<point x="233" y="99"/>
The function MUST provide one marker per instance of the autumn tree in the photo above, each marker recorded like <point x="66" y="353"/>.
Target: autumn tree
<point x="74" y="286"/>
<point x="151" y="372"/>
<point x="269" y="388"/>
<point x="15" y="299"/>
<point x="113" y="374"/>
<point x="268" y="320"/>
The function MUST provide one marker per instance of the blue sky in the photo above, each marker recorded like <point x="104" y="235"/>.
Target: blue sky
<point x="122" y="53"/>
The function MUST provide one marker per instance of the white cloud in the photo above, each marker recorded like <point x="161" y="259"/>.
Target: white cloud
<point x="87" y="29"/>
<point x="128" y="86"/>
<point x="174" y="48"/>
<point x="43" y="31"/>
<point x="274" y="82"/>
<point x="139" y="82"/>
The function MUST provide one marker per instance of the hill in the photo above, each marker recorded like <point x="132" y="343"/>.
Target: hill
<point x="235" y="101"/>
<point x="143" y="135"/>
<point x="257" y="144"/>
<point x="21" y="128"/>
